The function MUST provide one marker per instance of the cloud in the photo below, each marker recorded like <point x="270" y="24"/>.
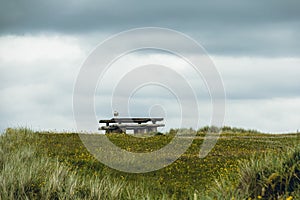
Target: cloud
<point x="30" y="49"/>
<point x="44" y="59"/>
<point x="39" y="106"/>
<point x="268" y="115"/>
<point x="37" y="76"/>
<point x="259" y="78"/>
<point x="264" y="28"/>
<point x="37" y="90"/>
<point x="95" y="15"/>
<point x="255" y="45"/>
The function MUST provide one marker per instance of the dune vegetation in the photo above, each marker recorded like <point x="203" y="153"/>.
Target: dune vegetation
<point x="244" y="164"/>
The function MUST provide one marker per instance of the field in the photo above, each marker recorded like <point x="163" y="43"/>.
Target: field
<point x="242" y="165"/>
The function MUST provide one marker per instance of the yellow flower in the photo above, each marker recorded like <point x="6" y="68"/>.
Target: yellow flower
<point x="259" y="197"/>
<point x="289" y="198"/>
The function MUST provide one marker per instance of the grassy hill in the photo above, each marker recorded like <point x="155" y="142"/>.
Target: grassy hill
<point x="242" y="165"/>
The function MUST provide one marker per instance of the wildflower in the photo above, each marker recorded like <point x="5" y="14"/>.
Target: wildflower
<point x="289" y="198"/>
<point x="259" y="197"/>
<point x="195" y="196"/>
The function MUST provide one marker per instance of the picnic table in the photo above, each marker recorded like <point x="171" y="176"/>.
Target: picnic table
<point x="138" y="125"/>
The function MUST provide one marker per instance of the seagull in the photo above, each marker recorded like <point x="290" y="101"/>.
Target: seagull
<point x="116" y="114"/>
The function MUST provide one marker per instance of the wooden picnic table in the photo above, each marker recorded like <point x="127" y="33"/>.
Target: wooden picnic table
<point x="138" y="125"/>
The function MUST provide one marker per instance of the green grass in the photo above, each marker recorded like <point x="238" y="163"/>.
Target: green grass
<point x="266" y="176"/>
<point x="42" y="165"/>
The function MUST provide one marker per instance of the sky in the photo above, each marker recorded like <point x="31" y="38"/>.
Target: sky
<point x="255" y="45"/>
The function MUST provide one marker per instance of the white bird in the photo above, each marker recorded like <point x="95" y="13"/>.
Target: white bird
<point x="116" y="114"/>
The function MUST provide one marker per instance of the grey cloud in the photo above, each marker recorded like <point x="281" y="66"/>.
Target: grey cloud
<point x="80" y="15"/>
<point x="39" y="93"/>
<point x="37" y="105"/>
<point x="268" y="115"/>
<point x="261" y="79"/>
<point x="223" y="27"/>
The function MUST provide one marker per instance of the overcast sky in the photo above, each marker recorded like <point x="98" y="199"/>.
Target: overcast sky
<point x="255" y="45"/>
